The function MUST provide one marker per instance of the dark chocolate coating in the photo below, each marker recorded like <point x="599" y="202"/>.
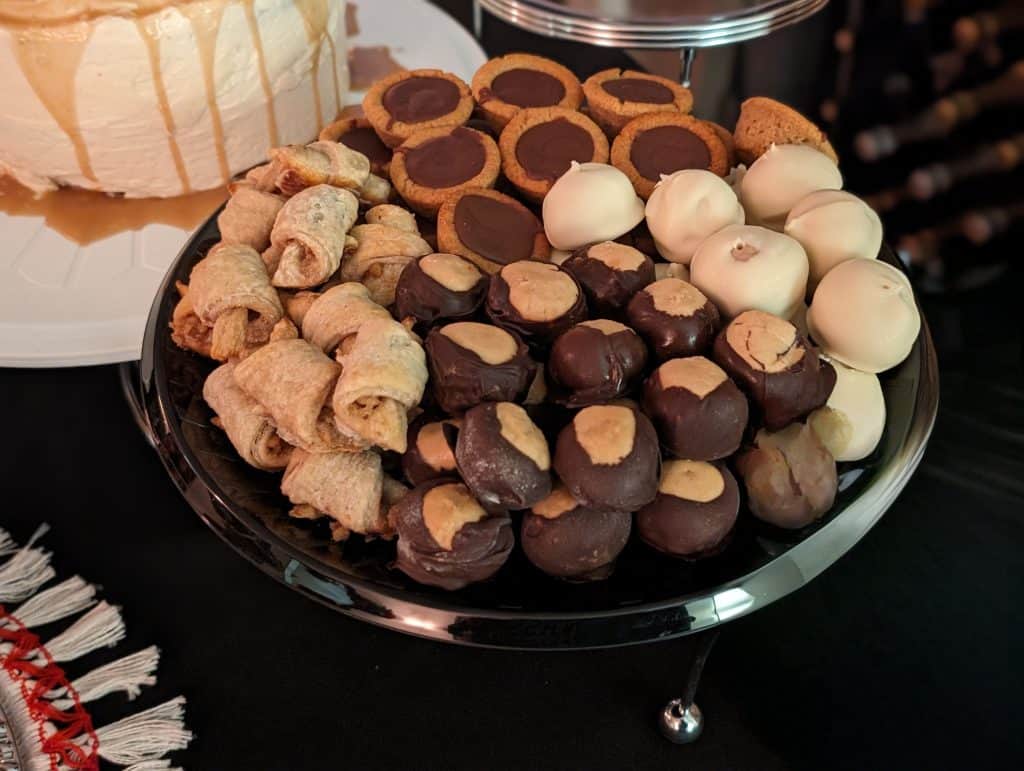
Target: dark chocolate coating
<point x="364" y="139"/>
<point x="421" y="297"/>
<point x="501" y="231"/>
<point x="673" y="336"/>
<point x="625" y="486"/>
<point x="640" y="238"/>
<point x="419" y="99"/>
<point x="607" y="290"/>
<point x="524" y="87"/>
<point x="586" y="366"/>
<point x="414" y="465"/>
<point x="502" y="313"/>
<point x="498" y="474"/>
<point x="446" y="161"/>
<point x="690" y="529"/>
<point x="478" y="550"/>
<point x="461" y="379"/>
<point x="693" y="428"/>
<point x="580" y="544"/>
<point x="780" y="397"/>
<point x="545" y="151"/>
<point x="638" y="90"/>
<point x="667" y="149"/>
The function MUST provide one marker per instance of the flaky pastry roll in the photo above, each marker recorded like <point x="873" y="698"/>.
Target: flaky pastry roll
<point x="296" y="167"/>
<point x="385" y="245"/>
<point x="249" y="217"/>
<point x="308" y="239"/>
<point x="230" y="292"/>
<point x="187" y="331"/>
<point x="383" y="377"/>
<point x="345" y="486"/>
<point x="250" y="430"/>
<point x="292" y="381"/>
<point x="338" y="313"/>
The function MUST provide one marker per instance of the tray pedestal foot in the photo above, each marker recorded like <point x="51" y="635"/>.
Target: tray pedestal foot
<point x="681" y="721"/>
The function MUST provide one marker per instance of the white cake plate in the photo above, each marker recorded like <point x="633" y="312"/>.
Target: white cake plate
<point x="64" y="305"/>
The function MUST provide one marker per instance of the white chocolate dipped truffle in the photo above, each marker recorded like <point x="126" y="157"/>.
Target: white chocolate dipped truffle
<point x="850" y="424"/>
<point x="745" y="267"/>
<point x="590" y="203"/>
<point x="833" y="226"/>
<point x="687" y="207"/>
<point x="863" y="314"/>
<point x="782" y="176"/>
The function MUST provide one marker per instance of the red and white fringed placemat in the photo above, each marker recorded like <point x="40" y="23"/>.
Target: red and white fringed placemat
<point x="44" y="716"/>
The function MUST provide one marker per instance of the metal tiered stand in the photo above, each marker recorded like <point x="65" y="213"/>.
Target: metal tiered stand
<point x="683" y="26"/>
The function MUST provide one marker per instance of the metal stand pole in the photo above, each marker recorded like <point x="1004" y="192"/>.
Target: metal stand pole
<point x="478" y="20"/>
<point x="686" y="57"/>
<point x="681" y="721"/>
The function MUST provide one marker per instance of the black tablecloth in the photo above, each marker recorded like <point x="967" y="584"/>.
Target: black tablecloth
<point x="905" y="654"/>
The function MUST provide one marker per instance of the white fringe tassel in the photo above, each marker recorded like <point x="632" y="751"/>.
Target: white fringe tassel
<point x="128" y="674"/>
<point x="29" y="568"/>
<point x="146" y="736"/>
<point x="57" y="602"/>
<point x="100" y="627"/>
<point x="152" y="765"/>
<point x="7" y="545"/>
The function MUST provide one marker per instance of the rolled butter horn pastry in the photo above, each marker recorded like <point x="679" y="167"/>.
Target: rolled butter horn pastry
<point x="383" y="377"/>
<point x="338" y="314"/>
<point x="292" y="381"/>
<point x="187" y="331"/>
<point x="249" y="217"/>
<point x="345" y="486"/>
<point x="308" y="239"/>
<point x="297" y="167"/>
<point x="230" y="292"/>
<point x="385" y="245"/>
<point x="250" y="430"/>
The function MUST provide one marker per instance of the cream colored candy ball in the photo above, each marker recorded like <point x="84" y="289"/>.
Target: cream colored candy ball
<point x="591" y="202"/>
<point x="687" y="207"/>
<point x="833" y="226"/>
<point x="777" y="180"/>
<point x="851" y="423"/>
<point x="863" y="314"/>
<point x="745" y="267"/>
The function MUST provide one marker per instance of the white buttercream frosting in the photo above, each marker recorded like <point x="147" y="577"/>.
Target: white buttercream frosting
<point x="782" y="176"/>
<point x="746" y="267"/>
<point x="687" y="207"/>
<point x="591" y="202"/>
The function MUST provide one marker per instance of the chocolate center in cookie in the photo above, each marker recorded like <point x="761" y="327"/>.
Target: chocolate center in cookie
<point x="416" y="100"/>
<point x="665" y="149"/>
<point x="528" y="88"/>
<point x="364" y="139"/>
<point x="446" y="161"/>
<point x="546" y="150"/>
<point x="493" y="345"/>
<point x="638" y="90"/>
<point x="539" y="291"/>
<point x="691" y="480"/>
<point x="494" y="229"/>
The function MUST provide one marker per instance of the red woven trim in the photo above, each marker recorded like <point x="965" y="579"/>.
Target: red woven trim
<point x="35" y="681"/>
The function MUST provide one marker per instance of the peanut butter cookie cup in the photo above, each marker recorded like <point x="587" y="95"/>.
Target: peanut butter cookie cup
<point x="664" y="142"/>
<point x="727" y="139"/>
<point x="411" y="101"/>
<point x="357" y="134"/>
<point x="505" y="85"/>
<point x="539" y="144"/>
<point x="764" y="122"/>
<point x="437" y="163"/>
<point x="490" y="229"/>
<point x="615" y="96"/>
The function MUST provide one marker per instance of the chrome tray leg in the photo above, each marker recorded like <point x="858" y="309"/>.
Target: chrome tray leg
<point x="681" y="721"/>
<point x="686" y="57"/>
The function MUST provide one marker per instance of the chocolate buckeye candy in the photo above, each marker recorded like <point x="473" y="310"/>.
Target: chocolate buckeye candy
<point x="780" y="371"/>
<point x="536" y="299"/>
<point x="430" y="452"/>
<point x="698" y="411"/>
<point x="472" y="363"/>
<point x="503" y="457"/>
<point x="674" y="317"/>
<point x="790" y="476"/>
<point x="446" y="538"/>
<point x="608" y="457"/>
<point x="610" y="274"/>
<point x="439" y="286"/>
<point x="595" y="361"/>
<point x="568" y="540"/>
<point x="694" y="511"/>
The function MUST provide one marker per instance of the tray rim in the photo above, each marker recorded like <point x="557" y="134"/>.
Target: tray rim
<point x="435" y="619"/>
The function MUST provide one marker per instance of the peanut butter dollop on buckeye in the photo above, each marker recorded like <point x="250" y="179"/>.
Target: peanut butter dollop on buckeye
<point x="698" y="411"/>
<point x="431" y="450"/>
<point x="536" y="299"/>
<point x="610" y="274"/>
<point x="674" y="317"/>
<point x="439" y="286"/>
<point x="472" y="363"/>
<point x="608" y="457"/>
<point x="694" y="512"/>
